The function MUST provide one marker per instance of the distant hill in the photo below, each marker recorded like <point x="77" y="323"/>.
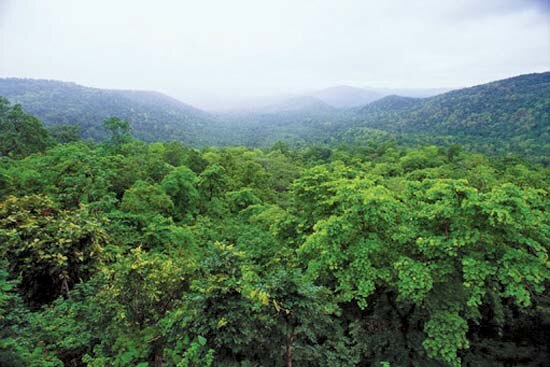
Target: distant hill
<point x="506" y="116"/>
<point x="297" y="120"/>
<point x="511" y="115"/>
<point x="153" y="116"/>
<point x="345" y="96"/>
<point x="413" y="92"/>
<point x="302" y="104"/>
<point x="392" y="104"/>
<point x="509" y="108"/>
<point x="348" y="97"/>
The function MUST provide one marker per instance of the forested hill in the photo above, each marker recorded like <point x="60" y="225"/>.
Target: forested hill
<point x="303" y="104"/>
<point x="133" y="254"/>
<point x="511" y="115"/>
<point x="153" y="116"/>
<point x="512" y="108"/>
<point x="498" y="118"/>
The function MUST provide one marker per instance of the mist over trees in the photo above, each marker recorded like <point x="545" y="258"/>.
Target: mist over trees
<point x="509" y="116"/>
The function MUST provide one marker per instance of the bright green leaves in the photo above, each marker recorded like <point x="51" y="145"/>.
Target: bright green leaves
<point x="358" y="242"/>
<point x="143" y="283"/>
<point x="519" y="216"/>
<point x="358" y="283"/>
<point x="162" y="233"/>
<point x="519" y="223"/>
<point x="446" y="215"/>
<point x="404" y="256"/>
<point x="508" y="205"/>
<point x="476" y="274"/>
<point x="521" y="273"/>
<point x="51" y="249"/>
<point x="421" y="158"/>
<point x="145" y="198"/>
<point x="420" y="240"/>
<point x="77" y="175"/>
<point x="325" y="245"/>
<point x="446" y="333"/>
<point x="415" y="280"/>
<point x="196" y="355"/>
<point x="138" y="296"/>
<point x="313" y="192"/>
<point x="187" y="352"/>
<point x="502" y="233"/>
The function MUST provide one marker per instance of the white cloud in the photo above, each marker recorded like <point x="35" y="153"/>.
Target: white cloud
<point x="243" y="47"/>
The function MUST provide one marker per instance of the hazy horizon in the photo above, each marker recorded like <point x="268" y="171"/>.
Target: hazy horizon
<point x="212" y="53"/>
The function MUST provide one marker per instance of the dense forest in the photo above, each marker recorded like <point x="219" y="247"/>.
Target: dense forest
<point x="505" y="117"/>
<point x="370" y="251"/>
<point x="154" y="116"/>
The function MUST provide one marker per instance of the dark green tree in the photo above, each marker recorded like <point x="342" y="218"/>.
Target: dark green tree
<point x="20" y="134"/>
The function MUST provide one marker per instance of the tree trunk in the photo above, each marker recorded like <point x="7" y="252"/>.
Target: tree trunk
<point x="65" y="287"/>
<point x="289" y="341"/>
<point x="159" y="362"/>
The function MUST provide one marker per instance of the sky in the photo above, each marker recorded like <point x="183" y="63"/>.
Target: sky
<point x="205" y="51"/>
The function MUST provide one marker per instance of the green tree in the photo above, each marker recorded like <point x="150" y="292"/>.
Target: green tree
<point x="119" y="129"/>
<point x="180" y="187"/>
<point x="146" y="199"/>
<point x="212" y="181"/>
<point x="64" y="134"/>
<point x="437" y="266"/>
<point x="51" y="249"/>
<point x="20" y="134"/>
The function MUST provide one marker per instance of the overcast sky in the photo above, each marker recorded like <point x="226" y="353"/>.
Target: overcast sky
<point x="228" y="48"/>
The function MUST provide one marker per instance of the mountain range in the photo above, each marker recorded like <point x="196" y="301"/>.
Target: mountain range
<point x="509" y="108"/>
<point x="344" y="96"/>
<point x="152" y="115"/>
<point x="513" y="113"/>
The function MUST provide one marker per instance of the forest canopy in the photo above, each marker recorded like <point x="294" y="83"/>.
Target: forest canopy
<point x="126" y="253"/>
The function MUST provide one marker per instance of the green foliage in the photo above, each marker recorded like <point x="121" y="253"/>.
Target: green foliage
<point x="50" y="249"/>
<point x="242" y="199"/>
<point x="366" y="240"/>
<point x="512" y="111"/>
<point x="153" y="116"/>
<point x="119" y="129"/>
<point x="180" y="186"/>
<point x="20" y="134"/>
<point x="212" y="182"/>
<point x="446" y="335"/>
<point x="64" y="134"/>
<point x="376" y="254"/>
<point x="146" y="199"/>
<point x="505" y="117"/>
